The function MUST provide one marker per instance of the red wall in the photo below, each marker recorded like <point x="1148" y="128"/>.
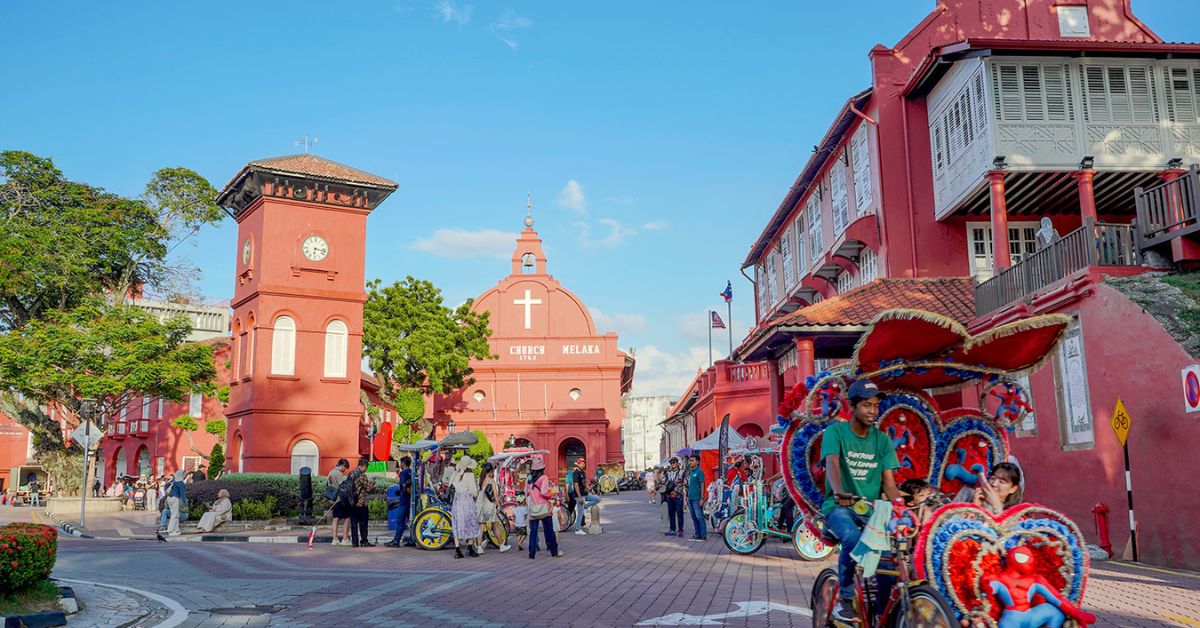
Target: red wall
<point x="1128" y="354"/>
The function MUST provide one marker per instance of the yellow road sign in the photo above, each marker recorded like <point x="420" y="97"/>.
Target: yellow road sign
<point x="1121" y="422"/>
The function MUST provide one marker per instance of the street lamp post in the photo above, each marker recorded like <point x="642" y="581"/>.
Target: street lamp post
<point x="87" y="408"/>
<point x="450" y="426"/>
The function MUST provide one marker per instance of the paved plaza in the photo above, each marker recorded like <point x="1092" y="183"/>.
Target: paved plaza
<point x="631" y="575"/>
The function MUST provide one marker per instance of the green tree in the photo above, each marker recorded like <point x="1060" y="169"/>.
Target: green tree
<point x="413" y="341"/>
<point x="189" y="424"/>
<point x="62" y="241"/>
<point x="216" y="461"/>
<point x="110" y="353"/>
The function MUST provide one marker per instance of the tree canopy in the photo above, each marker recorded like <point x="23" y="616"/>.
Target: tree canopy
<point x="413" y="341"/>
<point x="61" y="241"/>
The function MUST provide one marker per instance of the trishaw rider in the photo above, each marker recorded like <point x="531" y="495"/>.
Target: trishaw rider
<point x="860" y="461"/>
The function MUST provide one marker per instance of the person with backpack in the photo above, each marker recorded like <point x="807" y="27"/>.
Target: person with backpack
<point x="354" y="492"/>
<point x="540" y="491"/>
<point x="176" y="500"/>
<point x="339" y="511"/>
<point x="673" y="488"/>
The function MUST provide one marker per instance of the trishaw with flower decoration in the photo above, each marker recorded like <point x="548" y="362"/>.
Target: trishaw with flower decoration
<point x="1023" y="568"/>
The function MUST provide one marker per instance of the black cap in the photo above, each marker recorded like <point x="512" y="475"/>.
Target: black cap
<point x="863" y="389"/>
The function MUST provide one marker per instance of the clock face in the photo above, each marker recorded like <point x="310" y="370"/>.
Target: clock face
<point x="246" y="252"/>
<point x="315" y="248"/>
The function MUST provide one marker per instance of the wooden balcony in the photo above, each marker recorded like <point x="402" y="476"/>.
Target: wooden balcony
<point x="1093" y="244"/>
<point x="1168" y="210"/>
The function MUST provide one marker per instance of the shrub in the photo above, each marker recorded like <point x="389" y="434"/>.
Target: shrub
<point x="377" y="509"/>
<point x="285" y="488"/>
<point x="27" y="555"/>
<point x="254" y="509"/>
<point x="216" y="461"/>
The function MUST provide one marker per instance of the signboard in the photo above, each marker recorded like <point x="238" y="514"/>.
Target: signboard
<point x="1121" y="422"/>
<point x="1191" y="388"/>
<point x="87" y="435"/>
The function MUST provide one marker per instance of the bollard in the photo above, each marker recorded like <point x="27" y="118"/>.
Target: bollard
<point x="1100" y="512"/>
<point x="311" y="534"/>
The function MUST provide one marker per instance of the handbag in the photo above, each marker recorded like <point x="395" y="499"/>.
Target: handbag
<point x="537" y="512"/>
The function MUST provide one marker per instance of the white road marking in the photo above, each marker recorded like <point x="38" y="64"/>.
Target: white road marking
<point x="179" y="614"/>
<point x="744" y="610"/>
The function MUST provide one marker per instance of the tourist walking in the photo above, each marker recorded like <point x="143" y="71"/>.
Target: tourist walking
<point x="464" y="513"/>
<point x="339" y="511"/>
<point x="489" y="515"/>
<point x="583" y="500"/>
<point x="539" y="492"/>
<point x="673" y="488"/>
<point x="176" y="498"/>
<point x="651" y="489"/>
<point x="404" y="480"/>
<point x="695" y="497"/>
<point x="362" y="486"/>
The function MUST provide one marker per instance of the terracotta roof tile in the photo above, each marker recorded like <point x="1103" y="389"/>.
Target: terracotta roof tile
<point x="949" y="296"/>
<point x="313" y="166"/>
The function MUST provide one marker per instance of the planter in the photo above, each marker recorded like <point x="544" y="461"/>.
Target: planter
<point x="70" y="505"/>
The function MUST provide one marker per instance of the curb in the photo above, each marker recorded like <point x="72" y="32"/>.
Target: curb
<point x="66" y="527"/>
<point x="222" y="538"/>
<point x="67" y="601"/>
<point x="35" y="620"/>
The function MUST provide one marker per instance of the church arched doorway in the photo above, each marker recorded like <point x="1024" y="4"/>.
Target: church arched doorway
<point x="569" y="451"/>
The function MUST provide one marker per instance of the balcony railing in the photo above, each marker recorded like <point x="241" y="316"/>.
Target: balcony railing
<point x="1093" y="244"/>
<point x="1168" y="210"/>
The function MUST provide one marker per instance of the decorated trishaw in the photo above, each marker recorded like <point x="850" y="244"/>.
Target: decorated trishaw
<point x="431" y="487"/>
<point x="511" y="470"/>
<point x="1023" y="568"/>
<point x="756" y="517"/>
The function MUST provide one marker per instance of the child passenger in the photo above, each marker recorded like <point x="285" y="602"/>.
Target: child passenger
<point x="521" y="520"/>
<point x="921" y="498"/>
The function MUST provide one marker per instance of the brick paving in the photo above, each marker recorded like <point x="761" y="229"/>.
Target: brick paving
<point x="630" y="575"/>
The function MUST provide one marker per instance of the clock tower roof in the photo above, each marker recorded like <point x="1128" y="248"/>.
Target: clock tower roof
<point x="304" y="177"/>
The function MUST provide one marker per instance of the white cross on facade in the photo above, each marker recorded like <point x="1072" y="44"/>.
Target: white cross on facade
<point x="527" y="301"/>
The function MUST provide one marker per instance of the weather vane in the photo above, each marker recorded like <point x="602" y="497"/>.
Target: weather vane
<point x="305" y="142"/>
<point x="529" y="209"/>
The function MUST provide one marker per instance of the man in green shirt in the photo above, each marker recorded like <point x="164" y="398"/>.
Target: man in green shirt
<point x="860" y="462"/>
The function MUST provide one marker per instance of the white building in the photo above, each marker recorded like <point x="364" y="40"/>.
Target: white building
<point x="641" y="431"/>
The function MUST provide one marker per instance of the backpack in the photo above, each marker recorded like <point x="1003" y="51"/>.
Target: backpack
<point x="345" y="490"/>
<point x="570" y="479"/>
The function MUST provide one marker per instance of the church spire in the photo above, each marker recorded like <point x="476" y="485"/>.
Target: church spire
<point x="528" y="258"/>
<point x="529" y="210"/>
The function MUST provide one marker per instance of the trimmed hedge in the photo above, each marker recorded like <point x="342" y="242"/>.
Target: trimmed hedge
<point x="257" y="487"/>
<point x="27" y="555"/>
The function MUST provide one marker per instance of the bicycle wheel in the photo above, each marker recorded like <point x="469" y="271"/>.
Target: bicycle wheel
<point x="928" y="610"/>
<point x="824" y="596"/>
<point x="432" y="529"/>
<point x="497" y="534"/>
<point x="740" y="535"/>
<point x="809" y="545"/>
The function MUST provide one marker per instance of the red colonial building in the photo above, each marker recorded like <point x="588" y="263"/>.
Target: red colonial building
<point x="1007" y="159"/>
<point x="557" y="384"/>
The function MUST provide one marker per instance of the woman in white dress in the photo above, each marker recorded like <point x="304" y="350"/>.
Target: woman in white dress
<point x="464" y="513"/>
<point x="220" y="512"/>
<point x="489" y="518"/>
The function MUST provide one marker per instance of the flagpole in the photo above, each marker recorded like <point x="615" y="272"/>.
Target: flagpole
<point x="710" y="361"/>
<point x="729" y="325"/>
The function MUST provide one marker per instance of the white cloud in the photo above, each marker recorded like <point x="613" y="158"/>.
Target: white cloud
<point x="656" y="225"/>
<point x="449" y="12"/>
<point x="616" y="234"/>
<point x="572" y="197"/>
<point x="661" y="373"/>
<point x="620" y="323"/>
<point x="694" y="325"/>
<point x="463" y="243"/>
<point x="504" y="29"/>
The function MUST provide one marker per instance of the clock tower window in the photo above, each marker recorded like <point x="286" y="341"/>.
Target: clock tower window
<point x="283" y="347"/>
<point x="335" y="349"/>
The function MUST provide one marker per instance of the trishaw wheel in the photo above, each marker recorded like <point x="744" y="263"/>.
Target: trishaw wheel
<point x="929" y="610"/>
<point x="808" y="545"/>
<point x="741" y="537"/>
<point x="824" y="596"/>
<point x="497" y="534"/>
<point x="432" y="529"/>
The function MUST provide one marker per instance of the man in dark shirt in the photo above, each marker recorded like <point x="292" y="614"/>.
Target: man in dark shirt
<point x="583" y="500"/>
<point x="404" y="480"/>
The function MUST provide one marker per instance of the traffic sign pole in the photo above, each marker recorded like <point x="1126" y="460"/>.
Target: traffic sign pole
<point x="87" y="441"/>
<point x="1129" y="497"/>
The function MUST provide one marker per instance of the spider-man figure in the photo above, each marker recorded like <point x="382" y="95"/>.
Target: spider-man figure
<point x="1012" y="403"/>
<point x="1027" y="598"/>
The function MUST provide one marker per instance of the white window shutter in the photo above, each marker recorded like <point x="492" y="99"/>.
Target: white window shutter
<point x="789" y="265"/>
<point x="861" y="158"/>
<point x="283" y="347"/>
<point x="801" y="257"/>
<point x="838" y="196"/>
<point x="1141" y="95"/>
<point x="335" y="349"/>
<point x="772" y="278"/>
<point x="815" y="246"/>
<point x="1096" y="98"/>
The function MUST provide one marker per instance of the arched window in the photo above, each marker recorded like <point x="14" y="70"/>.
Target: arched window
<point x="283" y="347"/>
<point x="143" y="462"/>
<point x="250" y="349"/>
<point x="304" y="454"/>
<point x="335" y="349"/>
<point x="241" y="448"/>
<point x="122" y="464"/>
<point x="238" y="341"/>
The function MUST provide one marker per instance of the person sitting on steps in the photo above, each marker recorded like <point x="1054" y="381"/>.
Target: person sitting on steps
<point x="860" y="463"/>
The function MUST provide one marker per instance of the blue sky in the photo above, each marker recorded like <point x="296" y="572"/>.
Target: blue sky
<point x="655" y="137"/>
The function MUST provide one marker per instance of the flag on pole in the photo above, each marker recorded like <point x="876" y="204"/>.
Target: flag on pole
<point x="728" y="293"/>
<point x="717" y="323"/>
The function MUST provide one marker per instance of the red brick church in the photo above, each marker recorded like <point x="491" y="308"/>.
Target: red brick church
<point x="557" y="384"/>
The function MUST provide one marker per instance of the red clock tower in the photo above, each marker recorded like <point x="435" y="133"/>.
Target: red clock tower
<point x="297" y="311"/>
